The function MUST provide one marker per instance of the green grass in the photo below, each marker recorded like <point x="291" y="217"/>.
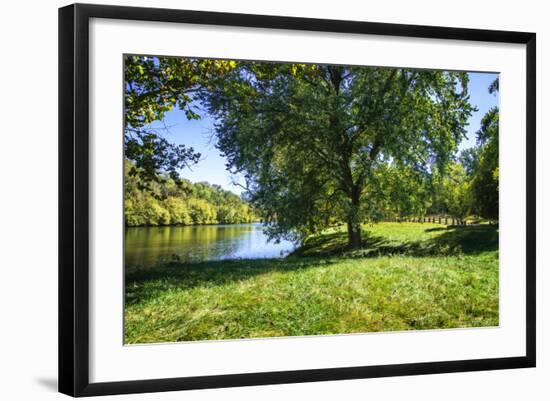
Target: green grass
<point x="413" y="239"/>
<point x="407" y="276"/>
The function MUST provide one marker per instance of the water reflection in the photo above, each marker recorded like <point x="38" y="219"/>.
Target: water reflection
<point x="147" y="246"/>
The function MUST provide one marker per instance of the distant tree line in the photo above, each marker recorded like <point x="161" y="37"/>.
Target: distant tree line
<point x="165" y="202"/>
<point x="454" y="196"/>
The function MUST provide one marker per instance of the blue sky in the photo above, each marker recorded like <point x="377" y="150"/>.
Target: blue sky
<point x="482" y="99"/>
<point x="211" y="168"/>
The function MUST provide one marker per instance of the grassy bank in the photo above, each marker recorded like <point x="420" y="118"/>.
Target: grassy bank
<point x="407" y="276"/>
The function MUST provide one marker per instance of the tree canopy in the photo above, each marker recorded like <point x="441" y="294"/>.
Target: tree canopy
<point x="154" y="86"/>
<point x="317" y="145"/>
<point x="315" y="142"/>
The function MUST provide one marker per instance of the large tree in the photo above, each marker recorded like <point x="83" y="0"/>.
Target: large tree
<point x="313" y="141"/>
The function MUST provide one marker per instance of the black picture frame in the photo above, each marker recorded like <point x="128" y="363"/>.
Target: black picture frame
<point x="74" y="198"/>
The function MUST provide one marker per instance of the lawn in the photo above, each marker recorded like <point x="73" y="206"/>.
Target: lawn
<point x="407" y="276"/>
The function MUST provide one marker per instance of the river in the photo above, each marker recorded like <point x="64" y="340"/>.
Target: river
<point x="147" y="246"/>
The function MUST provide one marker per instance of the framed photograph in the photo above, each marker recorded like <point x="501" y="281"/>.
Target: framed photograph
<point x="250" y="199"/>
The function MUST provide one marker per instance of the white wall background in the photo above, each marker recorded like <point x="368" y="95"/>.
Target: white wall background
<point x="28" y="200"/>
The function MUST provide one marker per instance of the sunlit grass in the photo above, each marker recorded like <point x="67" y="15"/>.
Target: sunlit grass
<point x="398" y="282"/>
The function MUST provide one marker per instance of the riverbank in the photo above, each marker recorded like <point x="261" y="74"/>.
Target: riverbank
<point x="396" y="283"/>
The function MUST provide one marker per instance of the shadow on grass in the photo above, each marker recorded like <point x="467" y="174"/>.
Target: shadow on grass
<point x="454" y="240"/>
<point x="144" y="284"/>
<point x="148" y="283"/>
<point x="430" y="230"/>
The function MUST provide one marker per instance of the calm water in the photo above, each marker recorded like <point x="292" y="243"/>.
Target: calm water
<point x="146" y="246"/>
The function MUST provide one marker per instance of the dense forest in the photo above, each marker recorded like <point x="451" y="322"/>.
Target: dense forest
<point x="167" y="202"/>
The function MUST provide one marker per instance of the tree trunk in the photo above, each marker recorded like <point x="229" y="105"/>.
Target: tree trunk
<point x="354" y="235"/>
<point x="354" y="227"/>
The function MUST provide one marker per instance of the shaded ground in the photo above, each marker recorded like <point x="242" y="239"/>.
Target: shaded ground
<point x="412" y="239"/>
<point x="408" y="276"/>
